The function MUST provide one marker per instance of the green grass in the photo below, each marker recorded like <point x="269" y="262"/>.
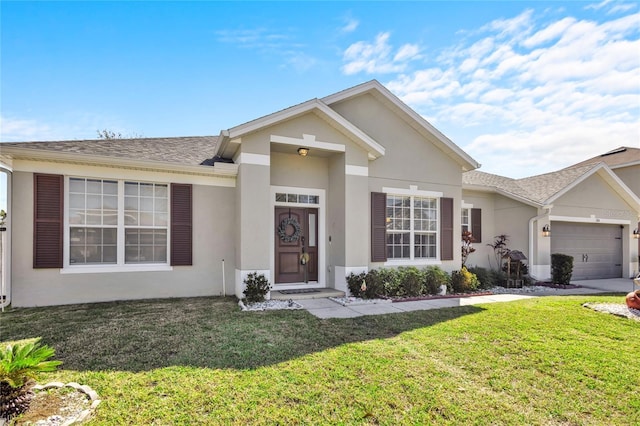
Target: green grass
<point x="202" y="361"/>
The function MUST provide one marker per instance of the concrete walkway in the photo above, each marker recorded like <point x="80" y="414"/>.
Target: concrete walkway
<point x="326" y="308"/>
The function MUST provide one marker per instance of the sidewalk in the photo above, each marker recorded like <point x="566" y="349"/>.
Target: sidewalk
<point x="326" y="308"/>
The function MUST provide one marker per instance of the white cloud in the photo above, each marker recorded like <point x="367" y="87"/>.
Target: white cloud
<point x="282" y="45"/>
<point x="18" y="130"/>
<point x="523" y="90"/>
<point x="74" y="125"/>
<point x="378" y="57"/>
<point x="350" y="26"/>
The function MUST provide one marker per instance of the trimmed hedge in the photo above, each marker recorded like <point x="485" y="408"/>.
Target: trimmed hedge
<point x="561" y="268"/>
<point x="406" y="281"/>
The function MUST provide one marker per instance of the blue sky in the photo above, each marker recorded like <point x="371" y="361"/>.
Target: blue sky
<point x="524" y="87"/>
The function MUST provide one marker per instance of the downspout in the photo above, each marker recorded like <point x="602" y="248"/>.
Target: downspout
<point x="224" y="286"/>
<point x="532" y="234"/>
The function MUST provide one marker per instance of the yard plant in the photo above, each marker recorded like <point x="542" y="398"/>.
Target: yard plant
<point x="204" y="362"/>
<point x="20" y="363"/>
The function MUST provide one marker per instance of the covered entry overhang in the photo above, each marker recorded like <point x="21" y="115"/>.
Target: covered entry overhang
<point x="297" y="168"/>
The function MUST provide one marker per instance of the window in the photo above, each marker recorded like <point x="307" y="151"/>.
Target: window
<point x="117" y="222"/>
<point x="466" y="219"/>
<point x="297" y="198"/>
<point x="93" y="220"/>
<point x="145" y="222"/>
<point x="412" y="226"/>
<point x="471" y="220"/>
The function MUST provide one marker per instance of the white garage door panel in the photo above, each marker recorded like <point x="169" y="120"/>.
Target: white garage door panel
<point x="596" y="249"/>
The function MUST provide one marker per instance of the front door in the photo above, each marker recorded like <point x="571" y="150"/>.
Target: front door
<point x="296" y="248"/>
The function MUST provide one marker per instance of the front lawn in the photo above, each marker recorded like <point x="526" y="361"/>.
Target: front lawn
<point x="202" y="361"/>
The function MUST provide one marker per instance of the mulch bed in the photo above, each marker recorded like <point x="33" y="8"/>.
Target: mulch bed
<point x="437" y="296"/>
<point x="561" y="286"/>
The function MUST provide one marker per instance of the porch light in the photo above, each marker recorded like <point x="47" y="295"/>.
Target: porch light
<point x="636" y="234"/>
<point x="546" y="231"/>
<point x="303" y="151"/>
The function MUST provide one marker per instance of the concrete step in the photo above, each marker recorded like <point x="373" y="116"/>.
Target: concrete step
<point x="315" y="293"/>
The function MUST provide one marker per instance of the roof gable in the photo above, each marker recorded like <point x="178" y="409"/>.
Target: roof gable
<point x="544" y="189"/>
<point x="411" y="117"/>
<point x="315" y="106"/>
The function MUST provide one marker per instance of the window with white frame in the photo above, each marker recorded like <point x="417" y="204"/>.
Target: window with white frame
<point x="145" y="222"/>
<point x="117" y="222"/>
<point x="93" y="221"/>
<point x="412" y="226"/>
<point x="466" y="219"/>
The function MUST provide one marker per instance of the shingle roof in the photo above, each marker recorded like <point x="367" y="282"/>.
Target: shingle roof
<point x="190" y="150"/>
<point x="541" y="188"/>
<point x="617" y="157"/>
<point x="537" y="189"/>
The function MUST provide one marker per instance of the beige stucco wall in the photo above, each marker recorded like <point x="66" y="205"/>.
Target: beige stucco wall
<point x="213" y="240"/>
<point x="631" y="177"/>
<point x="484" y="255"/>
<point x="296" y="171"/>
<point x="408" y="156"/>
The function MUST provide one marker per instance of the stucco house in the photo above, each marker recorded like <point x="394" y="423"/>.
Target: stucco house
<point x="349" y="182"/>
<point x="589" y="210"/>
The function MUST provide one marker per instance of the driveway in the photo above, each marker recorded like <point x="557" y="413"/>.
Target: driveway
<point x="613" y="285"/>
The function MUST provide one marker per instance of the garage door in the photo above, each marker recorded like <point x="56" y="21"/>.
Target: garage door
<point x="596" y="249"/>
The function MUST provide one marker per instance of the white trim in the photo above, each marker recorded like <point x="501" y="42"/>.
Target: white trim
<point x="315" y="106"/>
<point x="415" y="120"/>
<point x="356" y="170"/>
<point x="341" y="273"/>
<point x="105" y="172"/>
<point x="94" y="269"/>
<point x="416" y="262"/>
<point x="120" y="265"/>
<point x="308" y="141"/>
<point x="464" y="205"/>
<point x="250" y="158"/>
<point x="412" y="191"/>
<point x="412" y="232"/>
<point x="322" y="280"/>
<point x="75" y="158"/>
<point x="591" y="219"/>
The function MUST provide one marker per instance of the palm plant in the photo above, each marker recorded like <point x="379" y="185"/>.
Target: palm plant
<point x="20" y="362"/>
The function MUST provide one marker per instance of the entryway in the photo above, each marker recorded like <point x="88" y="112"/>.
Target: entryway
<point x="296" y="245"/>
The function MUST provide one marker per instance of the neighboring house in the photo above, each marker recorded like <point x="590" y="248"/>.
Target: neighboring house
<point x="350" y="182"/>
<point x="591" y="210"/>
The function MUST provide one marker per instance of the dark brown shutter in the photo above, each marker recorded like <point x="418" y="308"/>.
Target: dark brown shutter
<point x="181" y="225"/>
<point x="47" y="220"/>
<point x="476" y="225"/>
<point x="378" y="227"/>
<point x="446" y="228"/>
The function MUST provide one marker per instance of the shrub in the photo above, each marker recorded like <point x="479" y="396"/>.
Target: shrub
<point x="499" y="278"/>
<point x="561" y="268"/>
<point x="375" y="285"/>
<point x="20" y="362"/>
<point x="485" y="277"/>
<point x="434" y="278"/>
<point x="463" y="281"/>
<point x="256" y="287"/>
<point x="390" y="282"/>
<point x="354" y="283"/>
<point x="411" y="281"/>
